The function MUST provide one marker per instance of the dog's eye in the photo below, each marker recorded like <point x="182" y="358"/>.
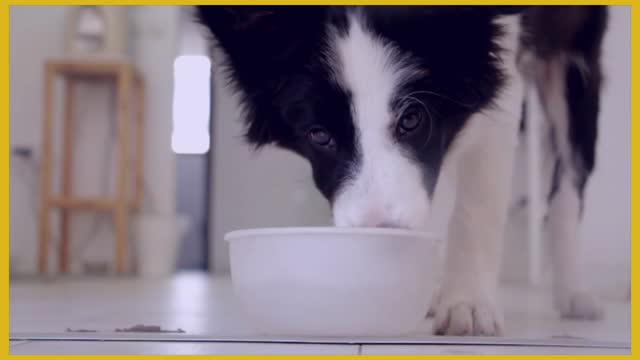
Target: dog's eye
<point x="410" y="121"/>
<point x="321" y="137"/>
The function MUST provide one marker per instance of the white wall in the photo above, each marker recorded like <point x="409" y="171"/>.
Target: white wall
<point x="155" y="37"/>
<point x="37" y="34"/>
<point x="29" y="45"/>
<point x="606" y="229"/>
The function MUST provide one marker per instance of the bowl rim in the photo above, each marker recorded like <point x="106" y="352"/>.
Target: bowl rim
<point x="314" y="230"/>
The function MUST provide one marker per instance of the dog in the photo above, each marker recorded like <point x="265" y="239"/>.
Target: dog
<point x="384" y="100"/>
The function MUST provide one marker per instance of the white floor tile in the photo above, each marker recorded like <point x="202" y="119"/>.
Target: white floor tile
<point x="484" y="349"/>
<point x="176" y="348"/>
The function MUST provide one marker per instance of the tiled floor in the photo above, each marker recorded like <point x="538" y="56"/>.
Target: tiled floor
<point x="42" y="312"/>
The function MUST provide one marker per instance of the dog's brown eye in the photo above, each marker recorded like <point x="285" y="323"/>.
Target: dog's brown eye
<point x="320" y="137"/>
<point x="410" y="121"/>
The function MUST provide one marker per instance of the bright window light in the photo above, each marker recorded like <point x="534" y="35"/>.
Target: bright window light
<point x="191" y="101"/>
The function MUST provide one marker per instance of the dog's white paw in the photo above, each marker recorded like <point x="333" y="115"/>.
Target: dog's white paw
<point x="467" y="315"/>
<point x="581" y="305"/>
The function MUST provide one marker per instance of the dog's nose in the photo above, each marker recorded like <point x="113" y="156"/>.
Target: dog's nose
<point x="378" y="222"/>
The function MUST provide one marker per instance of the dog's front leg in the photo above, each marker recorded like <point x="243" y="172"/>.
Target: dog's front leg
<point x="482" y="157"/>
<point x="467" y="303"/>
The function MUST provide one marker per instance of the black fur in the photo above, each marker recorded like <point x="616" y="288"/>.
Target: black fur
<point x="276" y="58"/>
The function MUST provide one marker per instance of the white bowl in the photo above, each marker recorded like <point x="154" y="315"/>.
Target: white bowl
<point x="333" y="281"/>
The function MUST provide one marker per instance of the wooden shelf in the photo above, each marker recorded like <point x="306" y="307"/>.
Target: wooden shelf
<point x="76" y="67"/>
<point x="128" y="84"/>
<point x="83" y="203"/>
<point x="99" y="204"/>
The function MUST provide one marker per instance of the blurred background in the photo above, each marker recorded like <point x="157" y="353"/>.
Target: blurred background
<point x="200" y="180"/>
<point x="196" y="169"/>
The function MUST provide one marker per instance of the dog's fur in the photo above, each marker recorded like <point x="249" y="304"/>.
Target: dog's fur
<point x="382" y="100"/>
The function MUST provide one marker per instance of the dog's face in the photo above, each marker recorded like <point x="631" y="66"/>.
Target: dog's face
<point x="373" y="97"/>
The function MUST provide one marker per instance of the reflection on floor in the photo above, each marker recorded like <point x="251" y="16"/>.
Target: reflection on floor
<point x="45" y="315"/>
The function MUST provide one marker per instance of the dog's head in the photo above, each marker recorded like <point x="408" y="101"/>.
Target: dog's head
<point x="373" y="97"/>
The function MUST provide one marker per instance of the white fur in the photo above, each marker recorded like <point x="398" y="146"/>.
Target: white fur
<point x="482" y="160"/>
<point x="385" y="187"/>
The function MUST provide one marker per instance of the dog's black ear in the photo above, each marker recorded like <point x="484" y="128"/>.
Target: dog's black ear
<point x="272" y="32"/>
<point x="264" y="45"/>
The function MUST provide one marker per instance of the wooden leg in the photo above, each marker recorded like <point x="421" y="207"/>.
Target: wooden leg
<point x="67" y="175"/>
<point x="49" y="73"/>
<point x="140" y="96"/>
<point x="121" y="210"/>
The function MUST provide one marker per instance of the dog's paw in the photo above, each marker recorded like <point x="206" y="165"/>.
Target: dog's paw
<point x="581" y="305"/>
<point x="471" y="316"/>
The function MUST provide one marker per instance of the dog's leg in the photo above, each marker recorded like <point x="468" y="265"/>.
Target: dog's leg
<point x="482" y="161"/>
<point x="467" y="302"/>
<point x="569" y="92"/>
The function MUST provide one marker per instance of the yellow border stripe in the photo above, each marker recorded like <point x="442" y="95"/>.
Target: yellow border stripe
<point x="325" y="2"/>
<point x="4" y="140"/>
<point x="635" y="179"/>
<point x="4" y="171"/>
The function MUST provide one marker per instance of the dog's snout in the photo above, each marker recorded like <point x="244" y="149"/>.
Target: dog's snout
<point x="372" y="219"/>
<point x="377" y="224"/>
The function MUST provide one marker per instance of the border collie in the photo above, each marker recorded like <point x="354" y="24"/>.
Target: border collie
<point x="382" y="101"/>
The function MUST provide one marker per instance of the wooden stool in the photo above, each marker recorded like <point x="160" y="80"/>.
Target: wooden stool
<point x="128" y="82"/>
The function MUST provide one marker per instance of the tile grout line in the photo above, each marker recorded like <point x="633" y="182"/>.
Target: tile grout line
<point x="152" y="337"/>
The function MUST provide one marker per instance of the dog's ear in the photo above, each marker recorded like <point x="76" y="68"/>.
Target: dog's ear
<point x="264" y="46"/>
<point x="271" y="32"/>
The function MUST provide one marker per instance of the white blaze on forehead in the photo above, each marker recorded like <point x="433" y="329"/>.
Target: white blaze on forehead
<point x="368" y="70"/>
<point x="385" y="187"/>
<point x="371" y="70"/>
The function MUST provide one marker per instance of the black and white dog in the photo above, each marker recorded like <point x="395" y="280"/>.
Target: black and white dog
<point x="384" y="100"/>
